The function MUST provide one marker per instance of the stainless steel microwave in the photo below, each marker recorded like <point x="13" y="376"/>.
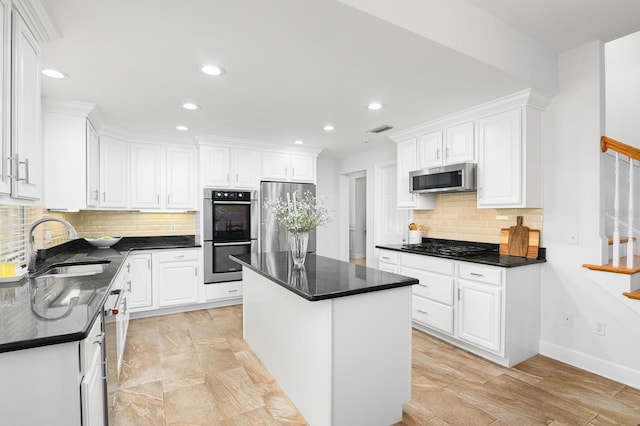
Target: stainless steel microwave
<point x="451" y="178"/>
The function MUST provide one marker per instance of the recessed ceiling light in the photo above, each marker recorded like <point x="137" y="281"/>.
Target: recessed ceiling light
<point x="328" y="128"/>
<point x="190" y="106"/>
<point x="53" y="73"/>
<point x="212" y="70"/>
<point x="183" y="128"/>
<point x="374" y="106"/>
<point x="298" y="142"/>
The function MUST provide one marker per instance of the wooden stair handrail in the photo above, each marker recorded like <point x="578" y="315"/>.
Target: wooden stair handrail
<point x="630" y="151"/>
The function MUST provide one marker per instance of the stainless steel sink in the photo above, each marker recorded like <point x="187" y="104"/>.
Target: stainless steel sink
<point x="76" y="270"/>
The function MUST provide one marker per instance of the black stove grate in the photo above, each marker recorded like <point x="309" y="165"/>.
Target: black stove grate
<point x="446" y="249"/>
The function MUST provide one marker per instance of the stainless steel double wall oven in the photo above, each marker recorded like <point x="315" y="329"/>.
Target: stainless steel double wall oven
<point x="231" y="226"/>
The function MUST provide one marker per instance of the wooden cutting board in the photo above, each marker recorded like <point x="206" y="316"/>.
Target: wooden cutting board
<point x="532" y="249"/>
<point x="518" y="239"/>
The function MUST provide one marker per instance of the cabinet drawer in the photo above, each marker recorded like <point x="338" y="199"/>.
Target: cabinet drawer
<point x="388" y="267"/>
<point x="176" y="255"/>
<point x="428" y="263"/>
<point x="485" y="274"/>
<point x="219" y="291"/>
<point x="432" y="286"/>
<point x="91" y="345"/>
<point x="388" y="257"/>
<point x="432" y="314"/>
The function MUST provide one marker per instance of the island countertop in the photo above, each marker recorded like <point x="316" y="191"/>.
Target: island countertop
<point x="322" y="277"/>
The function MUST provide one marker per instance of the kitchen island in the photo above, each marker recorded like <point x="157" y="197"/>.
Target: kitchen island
<point x="336" y="336"/>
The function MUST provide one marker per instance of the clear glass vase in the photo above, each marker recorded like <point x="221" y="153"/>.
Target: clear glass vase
<point x="298" y="243"/>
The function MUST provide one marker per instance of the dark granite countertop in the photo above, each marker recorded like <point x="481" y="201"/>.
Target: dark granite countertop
<point x="322" y="277"/>
<point x="490" y="257"/>
<point x="36" y="311"/>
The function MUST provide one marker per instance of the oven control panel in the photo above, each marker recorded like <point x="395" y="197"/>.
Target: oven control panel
<point x="231" y="195"/>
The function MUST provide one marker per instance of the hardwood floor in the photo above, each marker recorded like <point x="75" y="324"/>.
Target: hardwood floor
<point x="360" y="261"/>
<point x="194" y="368"/>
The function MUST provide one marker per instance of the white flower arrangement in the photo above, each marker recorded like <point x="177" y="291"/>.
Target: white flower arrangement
<point x="299" y="216"/>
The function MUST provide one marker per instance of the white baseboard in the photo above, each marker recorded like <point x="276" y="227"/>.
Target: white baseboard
<point x="604" y="368"/>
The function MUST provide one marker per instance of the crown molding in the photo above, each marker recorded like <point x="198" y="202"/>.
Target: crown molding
<point x="530" y="98"/>
<point x="138" y="138"/>
<point x="39" y="19"/>
<point x="231" y="142"/>
<point x="65" y="106"/>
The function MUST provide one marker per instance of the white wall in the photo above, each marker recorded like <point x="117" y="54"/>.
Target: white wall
<point x="623" y="89"/>
<point x="327" y="190"/>
<point x="573" y="126"/>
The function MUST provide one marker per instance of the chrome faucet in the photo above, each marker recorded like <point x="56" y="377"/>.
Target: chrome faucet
<point x="31" y="248"/>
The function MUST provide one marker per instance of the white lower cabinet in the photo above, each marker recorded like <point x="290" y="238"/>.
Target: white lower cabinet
<point x="222" y="291"/>
<point x="176" y="277"/>
<point x="491" y="311"/>
<point x="480" y="314"/>
<point x="139" y="267"/>
<point x="61" y="384"/>
<point x="388" y="261"/>
<point x="92" y="392"/>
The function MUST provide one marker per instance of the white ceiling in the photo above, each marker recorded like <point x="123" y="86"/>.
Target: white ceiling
<point x="292" y="66"/>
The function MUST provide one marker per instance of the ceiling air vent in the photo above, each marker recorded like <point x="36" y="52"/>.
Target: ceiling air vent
<point x="381" y="129"/>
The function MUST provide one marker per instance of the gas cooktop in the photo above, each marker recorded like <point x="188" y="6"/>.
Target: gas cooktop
<point x="462" y="250"/>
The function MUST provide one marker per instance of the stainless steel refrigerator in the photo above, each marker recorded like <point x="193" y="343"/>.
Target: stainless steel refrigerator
<point x="272" y="236"/>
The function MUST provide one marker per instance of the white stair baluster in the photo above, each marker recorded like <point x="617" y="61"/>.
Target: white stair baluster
<point x="616" y="214"/>
<point x="630" y="224"/>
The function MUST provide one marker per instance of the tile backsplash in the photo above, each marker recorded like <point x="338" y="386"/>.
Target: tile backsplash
<point x="91" y="224"/>
<point x="457" y="217"/>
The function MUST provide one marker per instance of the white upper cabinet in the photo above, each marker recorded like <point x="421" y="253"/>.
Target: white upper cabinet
<point x="229" y="168"/>
<point x="162" y="177"/>
<point x="25" y="112"/>
<point x="430" y="150"/>
<point x="114" y="172"/>
<point x="407" y="154"/>
<point x="93" y="166"/>
<point x="449" y="146"/>
<point x="459" y="144"/>
<point x="503" y="136"/>
<point x="510" y="159"/>
<point x="5" y="99"/>
<point x="146" y="175"/>
<point x="215" y="166"/>
<point x="180" y="178"/>
<point x="288" y="167"/>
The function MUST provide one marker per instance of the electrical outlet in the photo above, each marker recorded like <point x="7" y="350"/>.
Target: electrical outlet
<point x="599" y="327"/>
<point x="172" y="228"/>
<point x="567" y="319"/>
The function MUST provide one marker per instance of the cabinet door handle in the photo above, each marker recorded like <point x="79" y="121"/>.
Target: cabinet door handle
<point x="459" y="295"/>
<point x="178" y="256"/>
<point x="129" y="282"/>
<point x="104" y="196"/>
<point x="293" y="171"/>
<point x="423" y="312"/>
<point x="386" y="258"/>
<point x="196" y="269"/>
<point x="97" y="196"/>
<point x="233" y="291"/>
<point x="148" y="263"/>
<point x="236" y="178"/>
<point x="168" y="199"/>
<point x="26" y="170"/>
<point x="475" y="274"/>
<point x="98" y="339"/>
<point x="437" y="153"/>
<point x="423" y="285"/>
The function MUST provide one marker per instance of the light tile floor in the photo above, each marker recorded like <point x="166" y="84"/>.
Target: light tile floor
<point x="194" y="368"/>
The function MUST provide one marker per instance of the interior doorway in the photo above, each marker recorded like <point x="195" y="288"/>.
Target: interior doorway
<point x="358" y="218"/>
